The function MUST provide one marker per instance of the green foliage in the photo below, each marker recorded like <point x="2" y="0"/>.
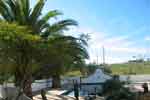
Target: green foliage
<point x="19" y="49"/>
<point x="63" y="53"/>
<point x="4" y="77"/>
<point x="122" y="94"/>
<point x="20" y="11"/>
<point x="91" y="68"/>
<point x="73" y="73"/>
<point x="56" y="52"/>
<point x="112" y="85"/>
<point x="107" y="69"/>
<point x="115" y="90"/>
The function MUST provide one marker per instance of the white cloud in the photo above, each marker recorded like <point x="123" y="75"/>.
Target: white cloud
<point x="147" y="38"/>
<point x="134" y="50"/>
<point x="119" y="48"/>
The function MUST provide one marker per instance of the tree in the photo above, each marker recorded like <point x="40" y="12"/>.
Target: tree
<point x="91" y="68"/>
<point x="64" y="52"/>
<point x="114" y="89"/>
<point x="19" y="11"/>
<point x="18" y="53"/>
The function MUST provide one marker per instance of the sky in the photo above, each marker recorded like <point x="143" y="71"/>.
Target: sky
<point x="122" y="27"/>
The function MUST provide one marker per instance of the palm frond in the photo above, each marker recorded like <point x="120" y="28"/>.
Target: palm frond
<point x="60" y="26"/>
<point x="37" y="11"/>
<point x="70" y="46"/>
<point x="26" y="8"/>
<point x="5" y="11"/>
<point x="51" y="14"/>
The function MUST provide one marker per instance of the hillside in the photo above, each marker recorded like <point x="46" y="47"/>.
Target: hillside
<point x="131" y="68"/>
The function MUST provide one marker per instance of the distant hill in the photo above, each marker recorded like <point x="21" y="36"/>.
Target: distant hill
<point x="131" y="67"/>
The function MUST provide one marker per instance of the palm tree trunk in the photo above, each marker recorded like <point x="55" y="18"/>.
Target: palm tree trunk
<point x="27" y="86"/>
<point x="56" y="81"/>
<point x="23" y="80"/>
<point x="24" y="83"/>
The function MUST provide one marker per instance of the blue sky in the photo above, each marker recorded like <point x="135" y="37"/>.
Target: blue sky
<point x="121" y="26"/>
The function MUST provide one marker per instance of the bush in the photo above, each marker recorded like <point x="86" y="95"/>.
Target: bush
<point x="122" y="94"/>
<point x="114" y="90"/>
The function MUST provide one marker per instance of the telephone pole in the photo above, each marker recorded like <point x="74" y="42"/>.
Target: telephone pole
<point x="97" y="58"/>
<point x="103" y="55"/>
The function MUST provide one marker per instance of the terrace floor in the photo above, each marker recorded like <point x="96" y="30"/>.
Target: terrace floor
<point x="55" y="97"/>
<point x="56" y="94"/>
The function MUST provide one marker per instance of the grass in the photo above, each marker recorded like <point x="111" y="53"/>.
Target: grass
<point x="131" y="68"/>
<point x="73" y="73"/>
<point x="122" y="69"/>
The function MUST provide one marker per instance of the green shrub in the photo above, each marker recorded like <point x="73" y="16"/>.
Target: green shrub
<point x="114" y="90"/>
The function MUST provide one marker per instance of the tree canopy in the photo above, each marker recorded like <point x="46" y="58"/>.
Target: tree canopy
<point x="63" y="53"/>
<point x="31" y="41"/>
<point x="20" y="53"/>
<point x="21" y="12"/>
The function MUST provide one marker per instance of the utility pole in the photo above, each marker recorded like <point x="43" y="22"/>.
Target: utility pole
<point x="97" y="58"/>
<point x="103" y="55"/>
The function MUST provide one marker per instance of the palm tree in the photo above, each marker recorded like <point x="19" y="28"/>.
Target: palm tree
<point x="19" y="49"/>
<point x="20" y="11"/>
<point x="68" y="52"/>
